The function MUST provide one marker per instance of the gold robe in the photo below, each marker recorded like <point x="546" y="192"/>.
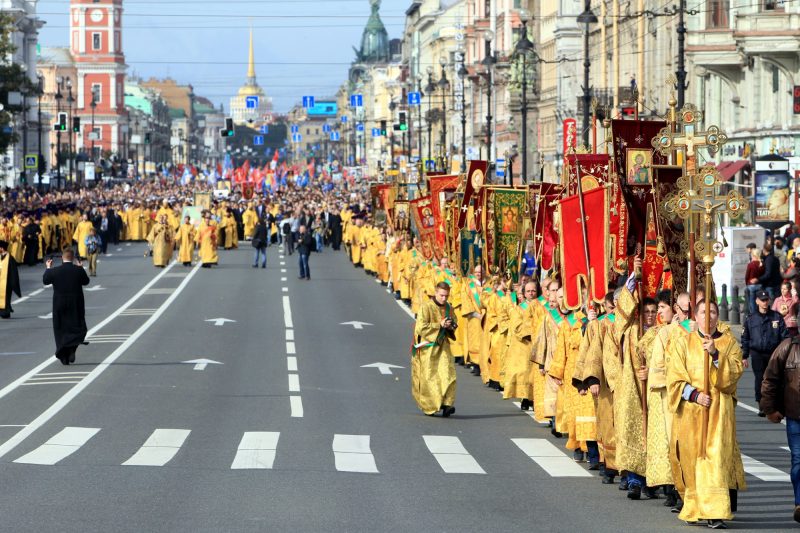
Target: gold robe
<point x="517" y="371"/>
<point x="185" y="238"/>
<point x="433" y="373"/>
<point x="545" y="391"/>
<point x="703" y="483"/>
<point x="161" y="243"/>
<point x="450" y="277"/>
<point x="598" y="344"/>
<point x="249" y="219"/>
<point x="471" y="315"/>
<point x="207" y="241"/>
<point x="79" y="236"/>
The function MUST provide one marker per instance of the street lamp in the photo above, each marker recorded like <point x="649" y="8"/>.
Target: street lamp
<point x="70" y="101"/>
<point x="462" y="74"/>
<point x="430" y="88"/>
<point x="521" y="50"/>
<point x="586" y="18"/>
<point x="444" y="84"/>
<point x="419" y="112"/>
<point x="94" y="105"/>
<point x="39" y="92"/>
<point x="59" y="96"/>
<point x="488" y="62"/>
<point x="392" y="107"/>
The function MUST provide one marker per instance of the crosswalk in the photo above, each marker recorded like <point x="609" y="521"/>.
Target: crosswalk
<point x="260" y="450"/>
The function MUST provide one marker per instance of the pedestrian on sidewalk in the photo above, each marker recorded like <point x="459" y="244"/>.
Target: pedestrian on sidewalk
<point x="754" y="270"/>
<point x="305" y="243"/>
<point x="762" y="332"/>
<point x="93" y="247"/>
<point x="69" y="312"/>
<point x="786" y="304"/>
<point x="780" y="397"/>
<point x="260" y="239"/>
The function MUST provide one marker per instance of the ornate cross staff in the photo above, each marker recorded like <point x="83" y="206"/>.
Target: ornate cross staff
<point x="705" y="204"/>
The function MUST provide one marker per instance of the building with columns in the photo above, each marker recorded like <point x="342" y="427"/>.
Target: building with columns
<point x="96" y="48"/>
<point x="241" y="114"/>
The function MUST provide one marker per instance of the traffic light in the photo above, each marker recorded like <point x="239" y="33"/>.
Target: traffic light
<point x="403" y="123"/>
<point x="383" y="128"/>
<point x="76" y="124"/>
<point x="147" y="138"/>
<point x="228" y="130"/>
<point x="61" y="125"/>
<point x="796" y="100"/>
<point x="628" y="111"/>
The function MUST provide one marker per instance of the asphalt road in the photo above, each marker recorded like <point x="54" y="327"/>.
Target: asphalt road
<point x="235" y="399"/>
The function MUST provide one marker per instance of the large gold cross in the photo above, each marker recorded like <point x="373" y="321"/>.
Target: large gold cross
<point x="689" y="138"/>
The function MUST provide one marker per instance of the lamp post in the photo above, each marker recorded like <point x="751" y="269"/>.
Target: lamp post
<point x="59" y="96"/>
<point x="70" y="133"/>
<point x="430" y="88"/>
<point x="586" y="18"/>
<point x="462" y="74"/>
<point x="39" y="91"/>
<point x="94" y="105"/>
<point x="488" y="62"/>
<point x="392" y="107"/>
<point x="521" y="50"/>
<point x="444" y="84"/>
<point x="419" y="113"/>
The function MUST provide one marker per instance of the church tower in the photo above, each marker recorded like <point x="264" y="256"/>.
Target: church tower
<point x="96" y="47"/>
<point x="249" y="116"/>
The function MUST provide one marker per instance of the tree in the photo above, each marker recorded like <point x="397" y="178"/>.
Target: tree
<point x="12" y="80"/>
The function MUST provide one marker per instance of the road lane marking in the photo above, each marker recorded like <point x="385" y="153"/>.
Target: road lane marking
<point x="36" y="292"/>
<point x="256" y="451"/>
<point x="283" y="279"/>
<point x="451" y="455"/>
<point x="290" y="349"/>
<point x="60" y="446"/>
<point x="284" y="289"/>
<point x="152" y="292"/>
<point x="405" y="308"/>
<point x="62" y="402"/>
<point x="159" y="448"/>
<point x="283" y="263"/>
<point x="287" y="312"/>
<point x="763" y="471"/>
<point x="294" y="383"/>
<point x="283" y="271"/>
<point x="352" y="453"/>
<point x="296" y="403"/>
<point x="137" y="312"/>
<point x="291" y="364"/>
<point x="754" y="410"/>
<point x="289" y="334"/>
<point x="552" y="460"/>
<point x="107" y="339"/>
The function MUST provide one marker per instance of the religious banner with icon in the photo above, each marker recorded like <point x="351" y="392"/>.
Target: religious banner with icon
<point x="574" y="275"/>
<point x="400" y="219"/>
<point x="542" y="198"/>
<point x="422" y="213"/>
<point x="504" y="209"/>
<point x="442" y="190"/>
<point x="476" y="175"/>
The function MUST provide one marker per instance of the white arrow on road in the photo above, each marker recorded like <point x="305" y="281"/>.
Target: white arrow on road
<point x="219" y="321"/>
<point x="356" y="324"/>
<point x="384" y="368"/>
<point x="201" y="364"/>
<point x="48" y="316"/>
<point x="96" y="288"/>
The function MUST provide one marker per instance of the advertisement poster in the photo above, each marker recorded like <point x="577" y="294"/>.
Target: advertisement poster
<point x="772" y="198"/>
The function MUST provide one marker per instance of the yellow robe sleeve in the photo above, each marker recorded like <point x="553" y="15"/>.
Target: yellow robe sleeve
<point x="725" y="376"/>
<point x="428" y="323"/>
<point x="560" y="353"/>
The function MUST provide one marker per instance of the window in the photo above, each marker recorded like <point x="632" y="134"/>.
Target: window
<point x="772" y="5"/>
<point x="97" y="133"/>
<point x="96" y="41"/>
<point x="487" y="10"/>
<point x="97" y="91"/>
<point x="717" y="14"/>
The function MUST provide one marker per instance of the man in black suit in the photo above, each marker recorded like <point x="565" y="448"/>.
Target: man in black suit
<point x="335" y="229"/>
<point x="69" y="312"/>
<point x="104" y="224"/>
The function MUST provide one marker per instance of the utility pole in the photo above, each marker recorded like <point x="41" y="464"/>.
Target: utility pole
<point x="680" y="74"/>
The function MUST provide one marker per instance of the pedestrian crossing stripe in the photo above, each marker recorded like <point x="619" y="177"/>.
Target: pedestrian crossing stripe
<point x="108" y="339"/>
<point x="352" y="453"/>
<point x="137" y="312"/>
<point x="160" y="291"/>
<point x="56" y="378"/>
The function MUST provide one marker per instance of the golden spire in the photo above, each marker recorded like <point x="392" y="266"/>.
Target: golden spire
<point x="251" y="64"/>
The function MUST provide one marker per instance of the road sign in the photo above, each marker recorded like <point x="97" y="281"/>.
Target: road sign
<point x="296" y="138"/>
<point x="413" y="98"/>
<point x="308" y="101"/>
<point x="258" y="140"/>
<point x="344" y="118"/>
<point x="335" y="136"/>
<point x="376" y="132"/>
<point x="251" y="102"/>
<point x="360" y="126"/>
<point x="356" y="100"/>
<point x="326" y="128"/>
<point x="31" y="161"/>
<point x="295" y="128"/>
<point x="264" y="129"/>
<point x="500" y="168"/>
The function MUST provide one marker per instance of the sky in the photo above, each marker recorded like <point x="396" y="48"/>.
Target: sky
<point x="302" y="47"/>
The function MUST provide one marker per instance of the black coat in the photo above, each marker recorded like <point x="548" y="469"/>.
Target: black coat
<point x="69" y="312"/>
<point x="260" y="236"/>
<point x="305" y="243"/>
<point x="12" y="285"/>
<point x="763" y="333"/>
<point x="772" y="272"/>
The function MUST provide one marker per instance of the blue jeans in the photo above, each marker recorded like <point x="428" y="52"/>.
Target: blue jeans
<point x="751" y="297"/>
<point x="260" y="252"/>
<point x="320" y="242"/>
<point x="593" y="452"/>
<point x="305" y="272"/>
<point x="793" y="435"/>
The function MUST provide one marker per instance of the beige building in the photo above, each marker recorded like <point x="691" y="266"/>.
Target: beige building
<point x="239" y="110"/>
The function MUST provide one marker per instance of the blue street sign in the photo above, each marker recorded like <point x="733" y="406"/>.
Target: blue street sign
<point x="500" y="168"/>
<point x="376" y="132"/>
<point x="334" y="135"/>
<point x="308" y="101"/>
<point x="258" y="140"/>
<point x="326" y="128"/>
<point x="295" y="128"/>
<point x="251" y="102"/>
<point x="264" y="129"/>
<point x="356" y="100"/>
<point x="413" y="98"/>
<point x="360" y="126"/>
<point x="296" y="138"/>
<point x="344" y="118"/>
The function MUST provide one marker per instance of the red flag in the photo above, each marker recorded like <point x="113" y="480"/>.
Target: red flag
<point x="573" y="259"/>
<point x="476" y="175"/>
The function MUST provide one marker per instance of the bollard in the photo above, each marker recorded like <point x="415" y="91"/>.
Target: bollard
<point x="735" y="321"/>
<point x="723" y="304"/>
